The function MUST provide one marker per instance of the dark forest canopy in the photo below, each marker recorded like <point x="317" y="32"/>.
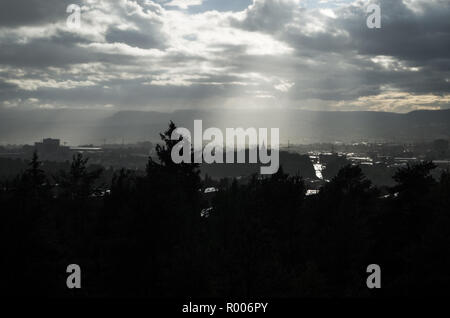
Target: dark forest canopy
<point x="146" y="237"/>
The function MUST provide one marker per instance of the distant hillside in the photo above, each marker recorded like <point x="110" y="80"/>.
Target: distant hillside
<point x="296" y="125"/>
<point x="300" y="126"/>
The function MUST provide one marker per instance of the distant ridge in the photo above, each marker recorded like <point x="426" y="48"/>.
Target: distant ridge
<point x="302" y="126"/>
<point x="299" y="126"/>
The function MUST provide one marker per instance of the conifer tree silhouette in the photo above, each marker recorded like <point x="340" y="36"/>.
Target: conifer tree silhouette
<point x="79" y="181"/>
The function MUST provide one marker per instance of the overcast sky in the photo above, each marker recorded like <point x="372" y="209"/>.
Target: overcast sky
<point x="174" y="54"/>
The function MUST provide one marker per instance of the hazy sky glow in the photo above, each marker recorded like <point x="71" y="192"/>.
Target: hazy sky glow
<point x="173" y="54"/>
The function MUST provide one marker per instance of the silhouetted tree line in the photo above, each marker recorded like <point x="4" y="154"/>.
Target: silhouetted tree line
<point x="146" y="238"/>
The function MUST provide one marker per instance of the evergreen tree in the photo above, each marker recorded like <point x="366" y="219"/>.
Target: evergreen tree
<point x="80" y="181"/>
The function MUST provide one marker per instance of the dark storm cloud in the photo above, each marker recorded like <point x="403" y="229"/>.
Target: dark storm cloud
<point x="132" y="94"/>
<point x="134" y="38"/>
<point x="415" y="35"/>
<point x="221" y="5"/>
<point x="43" y="53"/>
<point x="6" y="87"/>
<point x="58" y="52"/>
<point x="134" y="54"/>
<point x="30" y="12"/>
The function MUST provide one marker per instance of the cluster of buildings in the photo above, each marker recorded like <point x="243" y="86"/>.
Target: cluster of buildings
<point x="51" y="149"/>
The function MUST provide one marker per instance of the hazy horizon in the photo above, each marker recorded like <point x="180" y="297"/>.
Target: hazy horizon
<point x="79" y="126"/>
